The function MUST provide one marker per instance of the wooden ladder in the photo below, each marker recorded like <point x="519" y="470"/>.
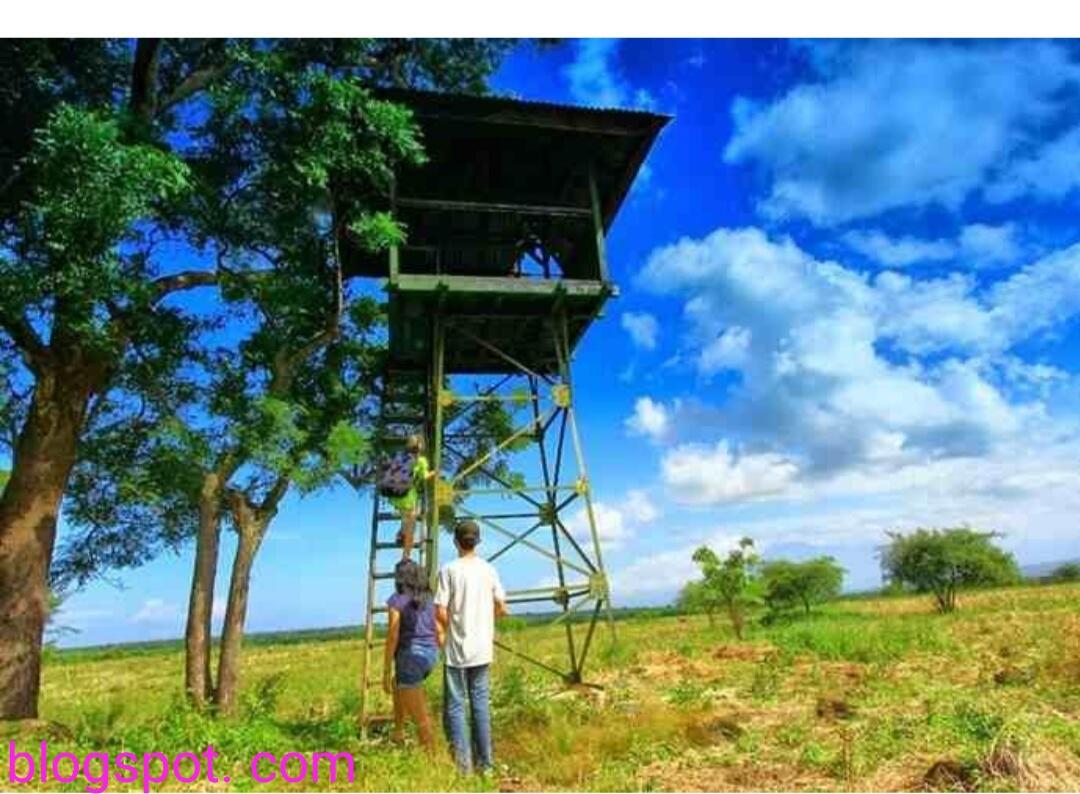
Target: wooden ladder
<point x="402" y="412"/>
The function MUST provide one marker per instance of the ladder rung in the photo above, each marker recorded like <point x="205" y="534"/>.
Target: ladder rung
<point x="378" y="610"/>
<point x="402" y="419"/>
<point x="388" y="545"/>
<point x="381" y="576"/>
<point x="388" y="517"/>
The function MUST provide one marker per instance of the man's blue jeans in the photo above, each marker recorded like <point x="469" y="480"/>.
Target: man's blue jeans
<point x="465" y="687"/>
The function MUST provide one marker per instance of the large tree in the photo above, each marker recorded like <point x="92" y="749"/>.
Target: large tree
<point x="110" y="149"/>
<point x="945" y="561"/>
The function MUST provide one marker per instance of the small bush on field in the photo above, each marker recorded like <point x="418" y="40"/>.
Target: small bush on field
<point x="261" y="699"/>
<point x="98" y="726"/>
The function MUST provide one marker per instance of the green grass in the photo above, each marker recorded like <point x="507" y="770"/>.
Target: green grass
<point x="865" y="694"/>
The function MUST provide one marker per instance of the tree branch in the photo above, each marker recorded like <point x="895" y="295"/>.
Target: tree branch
<point x="196" y="81"/>
<point x="276" y="493"/>
<point x="185" y="280"/>
<point x="33" y="351"/>
<point x="144" y="72"/>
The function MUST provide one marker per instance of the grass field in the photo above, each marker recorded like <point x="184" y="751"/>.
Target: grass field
<point x="868" y="694"/>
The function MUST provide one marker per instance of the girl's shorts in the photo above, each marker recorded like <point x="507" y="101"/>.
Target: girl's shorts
<point x="414" y="664"/>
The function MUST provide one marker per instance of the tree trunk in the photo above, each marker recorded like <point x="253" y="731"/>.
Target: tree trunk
<point x="736" y="621"/>
<point x="198" y="633"/>
<point x="45" y="454"/>
<point x="250" y="529"/>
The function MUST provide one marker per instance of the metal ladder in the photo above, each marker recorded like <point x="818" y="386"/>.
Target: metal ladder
<point x="402" y="412"/>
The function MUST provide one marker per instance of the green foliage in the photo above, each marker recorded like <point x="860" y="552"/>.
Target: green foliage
<point x="1066" y="572"/>
<point x="860" y="638"/>
<point x="790" y="585"/>
<point x="943" y="561"/>
<point x="283" y="149"/>
<point x="731" y="584"/>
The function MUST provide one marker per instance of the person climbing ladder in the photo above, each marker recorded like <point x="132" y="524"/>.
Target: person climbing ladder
<point x="401" y="481"/>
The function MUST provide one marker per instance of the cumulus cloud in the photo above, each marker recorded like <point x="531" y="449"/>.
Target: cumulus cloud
<point x="663" y="573"/>
<point x="651" y="419"/>
<point x="595" y="79"/>
<point x="885" y="125"/>
<point x="642" y="328"/>
<point x="977" y="245"/>
<point x="615" y="523"/>
<point x="900" y="251"/>
<point x="841" y="367"/>
<point x="697" y="474"/>
<point x="1029" y="492"/>
<point x="989" y="245"/>
<point x="640" y="507"/>
<point x="727" y="351"/>
<point x="1049" y="173"/>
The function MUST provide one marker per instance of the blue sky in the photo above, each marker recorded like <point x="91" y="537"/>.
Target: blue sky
<point x="849" y="292"/>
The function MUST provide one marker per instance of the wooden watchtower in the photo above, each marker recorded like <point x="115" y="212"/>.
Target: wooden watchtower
<point x="503" y="271"/>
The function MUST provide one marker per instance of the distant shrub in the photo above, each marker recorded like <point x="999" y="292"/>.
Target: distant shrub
<point x="793" y="585"/>
<point x="1066" y="572"/>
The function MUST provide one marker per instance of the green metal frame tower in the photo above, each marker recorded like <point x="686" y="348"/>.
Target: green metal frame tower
<point x="503" y="272"/>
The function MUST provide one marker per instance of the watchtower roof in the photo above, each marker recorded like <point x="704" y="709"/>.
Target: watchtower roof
<point x="505" y="225"/>
<point x="487" y="151"/>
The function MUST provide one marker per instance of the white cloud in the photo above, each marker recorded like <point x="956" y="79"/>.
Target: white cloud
<point x="615" y="524"/>
<point x="727" y="351"/>
<point x="664" y="573"/>
<point x="1028" y="492"/>
<point x="640" y="508"/>
<point x="593" y="74"/>
<point x="156" y="610"/>
<point x="977" y="245"/>
<point x="1050" y="173"/>
<point x="815" y="381"/>
<point x="217" y="612"/>
<point x="1040" y="296"/>
<point x="642" y="327"/>
<point x="644" y="99"/>
<point x="697" y="474"/>
<point x="869" y="134"/>
<point x="989" y="245"/>
<point x="611" y="525"/>
<point x="898" y="252"/>
<point x="650" y="419"/>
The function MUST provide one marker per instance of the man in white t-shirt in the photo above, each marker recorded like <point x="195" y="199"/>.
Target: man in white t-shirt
<point x="467" y="600"/>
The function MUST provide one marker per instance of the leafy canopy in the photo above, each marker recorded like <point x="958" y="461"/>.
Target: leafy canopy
<point x="730" y="583"/>
<point x="790" y="585"/>
<point x="944" y="561"/>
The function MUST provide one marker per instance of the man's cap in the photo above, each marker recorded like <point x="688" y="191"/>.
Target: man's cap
<point x="467" y="530"/>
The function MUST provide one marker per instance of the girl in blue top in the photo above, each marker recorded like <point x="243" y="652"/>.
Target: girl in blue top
<point x="413" y="639"/>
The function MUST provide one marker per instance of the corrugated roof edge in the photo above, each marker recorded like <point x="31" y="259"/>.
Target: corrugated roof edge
<point x="514" y="101"/>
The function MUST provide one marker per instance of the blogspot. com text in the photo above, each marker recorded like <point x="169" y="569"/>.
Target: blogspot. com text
<point x="101" y="770"/>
